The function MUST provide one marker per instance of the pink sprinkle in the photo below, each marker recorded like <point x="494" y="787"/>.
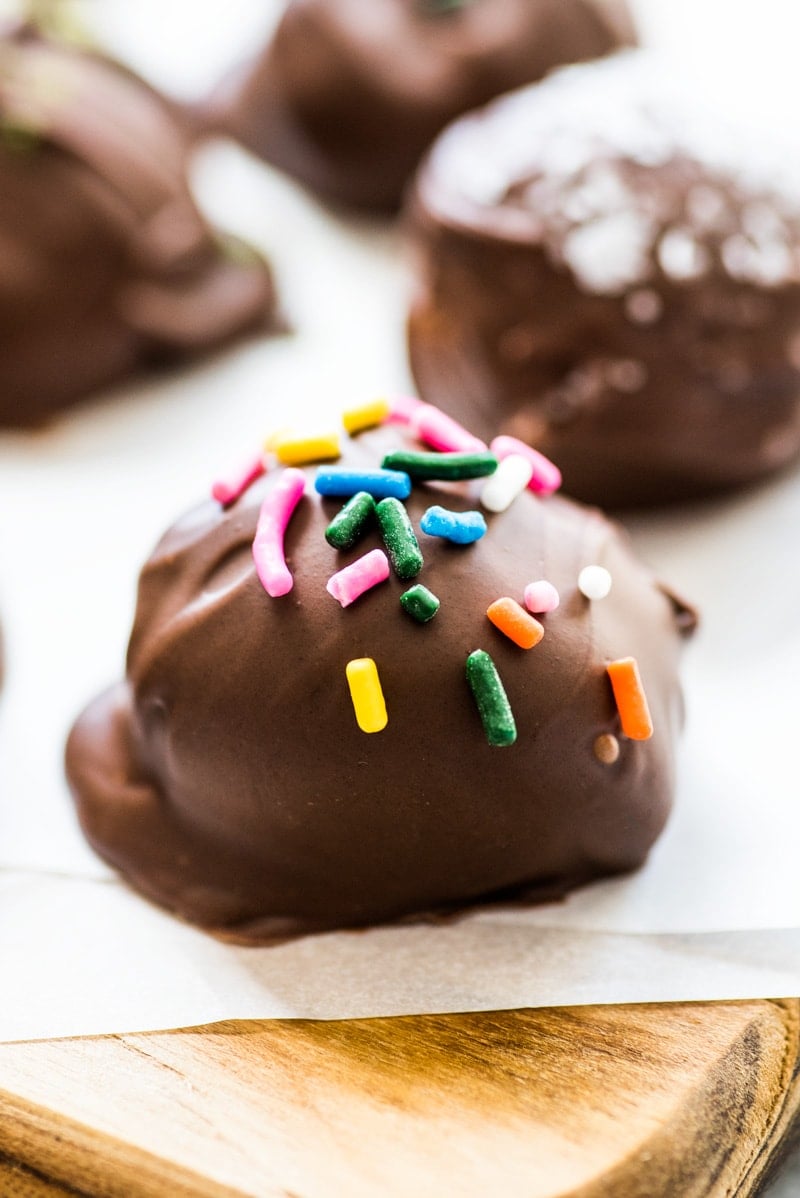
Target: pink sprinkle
<point x="276" y="512"/>
<point x="440" y="431"/>
<point x="541" y="596"/>
<point x="227" y="490"/>
<point x="403" y="408"/>
<point x="546" y="477"/>
<point x="347" y="584"/>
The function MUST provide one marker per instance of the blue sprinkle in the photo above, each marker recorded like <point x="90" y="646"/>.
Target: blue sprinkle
<point x="462" y="528"/>
<point x="380" y="484"/>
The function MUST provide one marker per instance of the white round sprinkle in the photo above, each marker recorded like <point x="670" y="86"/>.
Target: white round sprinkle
<point x="594" y="582"/>
<point x="509" y="479"/>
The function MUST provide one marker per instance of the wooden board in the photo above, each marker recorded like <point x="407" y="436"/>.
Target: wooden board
<point x="672" y="1101"/>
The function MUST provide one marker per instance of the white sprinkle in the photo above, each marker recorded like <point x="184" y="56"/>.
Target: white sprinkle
<point x="509" y="479"/>
<point x="594" y="582"/>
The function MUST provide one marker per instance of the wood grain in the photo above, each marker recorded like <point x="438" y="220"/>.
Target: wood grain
<point x="673" y="1101"/>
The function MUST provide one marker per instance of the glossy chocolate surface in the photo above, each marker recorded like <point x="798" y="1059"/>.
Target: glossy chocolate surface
<point x="226" y="776"/>
<point x="612" y="274"/>
<point x="106" y="264"/>
<point x="348" y="94"/>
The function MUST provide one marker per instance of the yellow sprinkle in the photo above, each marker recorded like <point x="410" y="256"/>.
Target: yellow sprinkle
<point x="366" y="693"/>
<point x="367" y="416"/>
<point x="294" y="450"/>
<point x="277" y="435"/>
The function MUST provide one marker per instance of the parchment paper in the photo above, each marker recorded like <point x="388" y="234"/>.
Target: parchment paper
<point x="714" y="914"/>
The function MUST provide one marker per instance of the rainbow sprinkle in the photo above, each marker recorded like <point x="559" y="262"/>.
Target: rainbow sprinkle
<point x="514" y="622"/>
<point x="360" y="576"/>
<point x="545" y="478"/>
<point x="366" y="694"/>
<point x="403" y="409"/>
<point x="491" y="699"/>
<point x="441" y="432"/>
<point x="227" y="490"/>
<point x="447" y="467"/>
<point x="356" y="420"/>
<point x="594" y="582"/>
<point x="634" y="713"/>
<point x="541" y="596"/>
<point x="399" y="538"/>
<point x="508" y="481"/>
<point x="380" y="484"/>
<point x="374" y="497"/>
<point x="462" y="528"/>
<point x="299" y="451"/>
<point x="350" y="524"/>
<point x="420" y="603"/>
<point x="273" y="519"/>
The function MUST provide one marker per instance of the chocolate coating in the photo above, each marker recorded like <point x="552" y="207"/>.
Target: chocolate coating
<point x="106" y="264"/>
<point x="348" y="94"/>
<point x="226" y="776"/>
<point x="613" y="275"/>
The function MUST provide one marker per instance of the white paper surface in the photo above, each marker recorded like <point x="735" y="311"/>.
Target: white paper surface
<point x="714" y="914"/>
<point x="114" y="962"/>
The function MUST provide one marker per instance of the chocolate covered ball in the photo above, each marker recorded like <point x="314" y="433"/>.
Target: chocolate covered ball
<point x="348" y="94"/>
<point x="611" y="273"/>
<point x="106" y="263"/>
<point x="228" y="776"/>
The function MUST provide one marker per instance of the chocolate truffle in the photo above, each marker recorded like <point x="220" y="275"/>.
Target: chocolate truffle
<point x="228" y="779"/>
<point x="106" y="263"/>
<point x="348" y="94"/>
<point x="609" y="272"/>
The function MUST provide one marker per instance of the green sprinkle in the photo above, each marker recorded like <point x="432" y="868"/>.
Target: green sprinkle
<point x="491" y="699"/>
<point x="446" y="466"/>
<point x="399" y="538"/>
<point x="420" y="603"/>
<point x="349" y="525"/>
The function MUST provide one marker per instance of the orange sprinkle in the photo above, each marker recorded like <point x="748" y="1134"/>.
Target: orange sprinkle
<point x="512" y="619"/>
<point x="630" y="698"/>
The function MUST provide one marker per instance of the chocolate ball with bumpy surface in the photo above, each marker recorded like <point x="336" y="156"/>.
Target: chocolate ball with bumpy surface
<point x="228" y="778"/>
<point x="348" y="94"/>
<point x="612" y="274"/>
<point x="106" y="264"/>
